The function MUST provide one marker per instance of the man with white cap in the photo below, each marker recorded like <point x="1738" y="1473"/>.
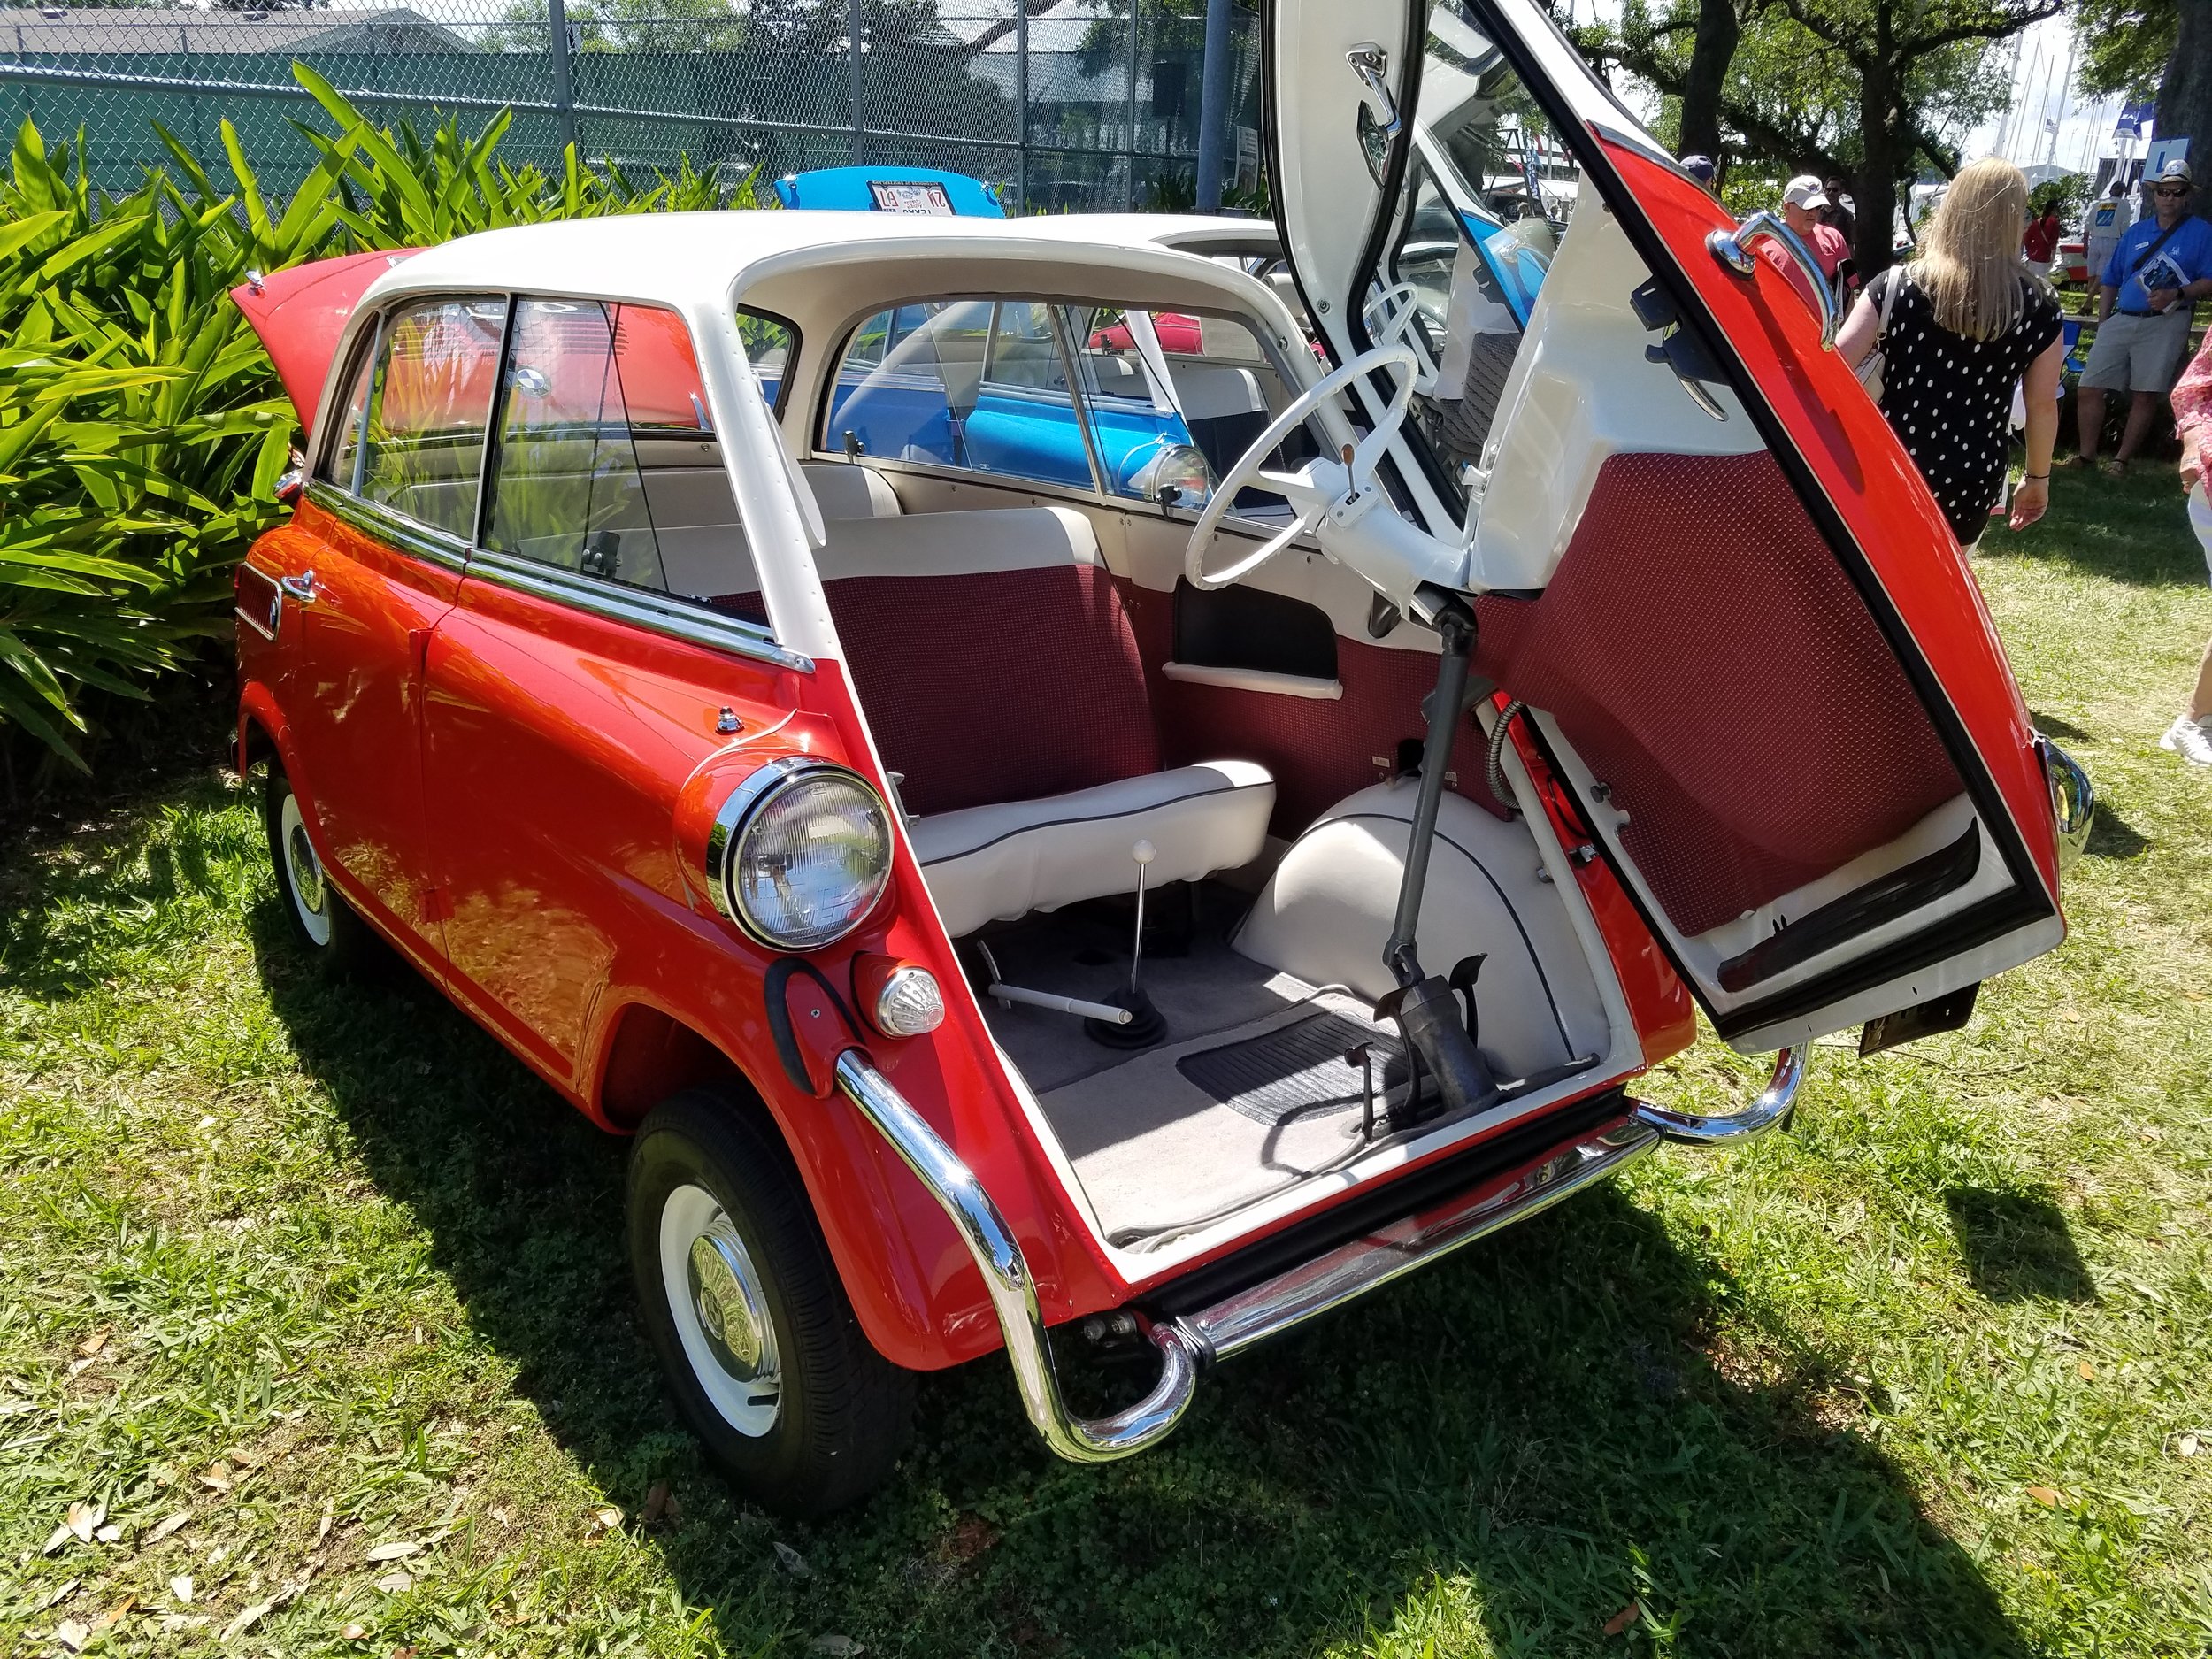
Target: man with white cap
<point x="1802" y="199"/>
<point x="2160" y="267"/>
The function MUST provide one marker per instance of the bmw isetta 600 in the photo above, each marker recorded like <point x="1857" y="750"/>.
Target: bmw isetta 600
<point x="1012" y="898"/>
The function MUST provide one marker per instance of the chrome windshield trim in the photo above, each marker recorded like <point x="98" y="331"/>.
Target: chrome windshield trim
<point x="1771" y="1109"/>
<point x="991" y="1243"/>
<point x="1389" y="1252"/>
<point x="395" y="529"/>
<point x="693" y="624"/>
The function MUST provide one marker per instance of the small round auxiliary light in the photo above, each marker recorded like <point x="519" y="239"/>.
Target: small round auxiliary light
<point x="899" y="998"/>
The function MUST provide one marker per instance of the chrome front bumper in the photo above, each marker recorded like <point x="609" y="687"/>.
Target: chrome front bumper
<point x="1290" y="1298"/>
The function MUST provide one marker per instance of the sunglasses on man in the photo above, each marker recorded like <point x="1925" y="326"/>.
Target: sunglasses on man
<point x="2172" y="189"/>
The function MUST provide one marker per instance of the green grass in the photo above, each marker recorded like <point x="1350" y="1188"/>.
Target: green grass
<point x="1794" y="1399"/>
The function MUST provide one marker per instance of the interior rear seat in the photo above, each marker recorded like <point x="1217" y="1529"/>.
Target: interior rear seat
<point x="702" y="544"/>
<point x="1001" y="675"/>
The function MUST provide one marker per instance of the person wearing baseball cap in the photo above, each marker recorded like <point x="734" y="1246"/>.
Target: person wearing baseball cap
<point x="2159" y="268"/>
<point x="1702" y="169"/>
<point x="1802" y="199"/>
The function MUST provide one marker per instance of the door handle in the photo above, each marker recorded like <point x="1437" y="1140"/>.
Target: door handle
<point x="1371" y="63"/>
<point x="302" y="586"/>
<point x="1732" y="248"/>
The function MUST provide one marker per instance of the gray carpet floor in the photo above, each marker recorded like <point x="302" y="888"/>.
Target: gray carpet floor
<point x="1163" y="1139"/>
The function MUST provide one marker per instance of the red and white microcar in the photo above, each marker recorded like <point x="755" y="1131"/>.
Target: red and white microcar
<point x="1007" y="910"/>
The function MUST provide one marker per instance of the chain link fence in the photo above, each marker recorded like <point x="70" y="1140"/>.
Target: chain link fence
<point x="1063" y="104"/>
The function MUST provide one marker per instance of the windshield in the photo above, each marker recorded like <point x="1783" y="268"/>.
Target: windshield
<point x="1487" y="192"/>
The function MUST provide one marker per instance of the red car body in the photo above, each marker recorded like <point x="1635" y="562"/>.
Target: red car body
<point x="522" y="779"/>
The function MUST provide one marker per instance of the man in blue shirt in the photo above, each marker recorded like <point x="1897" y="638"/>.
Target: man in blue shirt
<point x="2161" y="267"/>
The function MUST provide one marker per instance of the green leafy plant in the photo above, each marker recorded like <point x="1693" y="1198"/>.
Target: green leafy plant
<point x="141" y="427"/>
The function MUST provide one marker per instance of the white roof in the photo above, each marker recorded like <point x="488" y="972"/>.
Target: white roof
<point x="1168" y="230"/>
<point x="685" y="259"/>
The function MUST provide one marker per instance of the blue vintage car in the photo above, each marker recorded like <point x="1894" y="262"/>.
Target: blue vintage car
<point x="985" y="386"/>
<point x="930" y="190"/>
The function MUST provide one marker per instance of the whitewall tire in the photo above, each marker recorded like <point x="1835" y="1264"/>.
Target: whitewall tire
<point x="744" y="1307"/>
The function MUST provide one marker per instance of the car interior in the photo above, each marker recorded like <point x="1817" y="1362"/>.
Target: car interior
<point x="1066" y="721"/>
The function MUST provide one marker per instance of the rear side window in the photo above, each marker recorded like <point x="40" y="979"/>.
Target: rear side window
<point x="770" y="345"/>
<point x="585" y="380"/>
<point x="424" y="446"/>
<point x="343" y="456"/>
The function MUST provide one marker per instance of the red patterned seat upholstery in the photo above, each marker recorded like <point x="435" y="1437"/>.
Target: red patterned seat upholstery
<point x="998" y="669"/>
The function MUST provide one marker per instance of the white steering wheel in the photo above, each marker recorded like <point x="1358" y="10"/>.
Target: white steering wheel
<point x="1393" y="315"/>
<point x="1314" y="488"/>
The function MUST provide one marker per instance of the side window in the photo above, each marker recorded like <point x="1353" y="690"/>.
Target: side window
<point x="424" y="448"/>
<point x="1024" y="422"/>
<point x="770" y="345"/>
<point x="584" y="382"/>
<point x="1175" y="399"/>
<point x="342" y="457"/>
<point x="906" y="381"/>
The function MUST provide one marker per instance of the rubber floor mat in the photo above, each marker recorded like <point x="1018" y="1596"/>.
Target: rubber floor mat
<point x="1296" y="1071"/>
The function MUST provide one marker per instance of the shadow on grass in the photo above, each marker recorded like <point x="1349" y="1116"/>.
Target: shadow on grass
<point x="2133" y="529"/>
<point x="1539" y="1422"/>
<point x="2017" y="1246"/>
<point x="2112" y="836"/>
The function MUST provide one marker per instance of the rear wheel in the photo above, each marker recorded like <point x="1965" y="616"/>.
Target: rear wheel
<point x="321" y="919"/>
<point x="744" y="1307"/>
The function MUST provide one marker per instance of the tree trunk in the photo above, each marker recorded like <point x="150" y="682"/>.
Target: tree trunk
<point x="1886" y="153"/>
<point x="1719" y="30"/>
<point x="2185" y="97"/>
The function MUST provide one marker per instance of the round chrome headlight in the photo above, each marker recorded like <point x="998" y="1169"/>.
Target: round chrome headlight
<point x="799" y="853"/>
<point x="1176" y="473"/>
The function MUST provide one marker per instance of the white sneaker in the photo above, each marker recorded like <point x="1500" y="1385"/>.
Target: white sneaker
<point x="2189" y="740"/>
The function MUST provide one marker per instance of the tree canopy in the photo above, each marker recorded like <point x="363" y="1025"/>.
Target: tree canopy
<point x="2125" y="45"/>
<point x="1864" y="90"/>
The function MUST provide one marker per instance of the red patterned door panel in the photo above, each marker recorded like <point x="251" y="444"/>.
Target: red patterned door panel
<point x="1727" y="683"/>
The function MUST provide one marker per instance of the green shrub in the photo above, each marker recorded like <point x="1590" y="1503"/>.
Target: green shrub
<point x="141" y="427"/>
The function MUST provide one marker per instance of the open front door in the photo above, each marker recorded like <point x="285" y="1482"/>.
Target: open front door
<point x="1736" y="621"/>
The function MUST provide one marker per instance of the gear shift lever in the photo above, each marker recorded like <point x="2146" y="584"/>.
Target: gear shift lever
<point x="1144" y="1026"/>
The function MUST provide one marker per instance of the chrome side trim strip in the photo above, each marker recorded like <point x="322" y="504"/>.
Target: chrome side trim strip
<point x="1772" y="1109"/>
<point x="1353" y="1269"/>
<point x="693" y="625"/>
<point x="390" y="527"/>
<point x="1013" y="1293"/>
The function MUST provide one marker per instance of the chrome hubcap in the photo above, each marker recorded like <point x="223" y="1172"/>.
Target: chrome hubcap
<point x="732" y="1329"/>
<point x="303" y="873"/>
<point x="720" y="1309"/>
<point x="307" y="870"/>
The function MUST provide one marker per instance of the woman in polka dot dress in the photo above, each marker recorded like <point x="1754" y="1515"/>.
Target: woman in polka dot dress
<point x="1969" y="322"/>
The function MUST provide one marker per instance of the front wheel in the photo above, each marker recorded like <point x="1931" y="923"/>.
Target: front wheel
<point x="745" y="1310"/>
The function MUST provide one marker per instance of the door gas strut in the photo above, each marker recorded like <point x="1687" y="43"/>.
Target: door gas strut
<point x="1427" y="1009"/>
